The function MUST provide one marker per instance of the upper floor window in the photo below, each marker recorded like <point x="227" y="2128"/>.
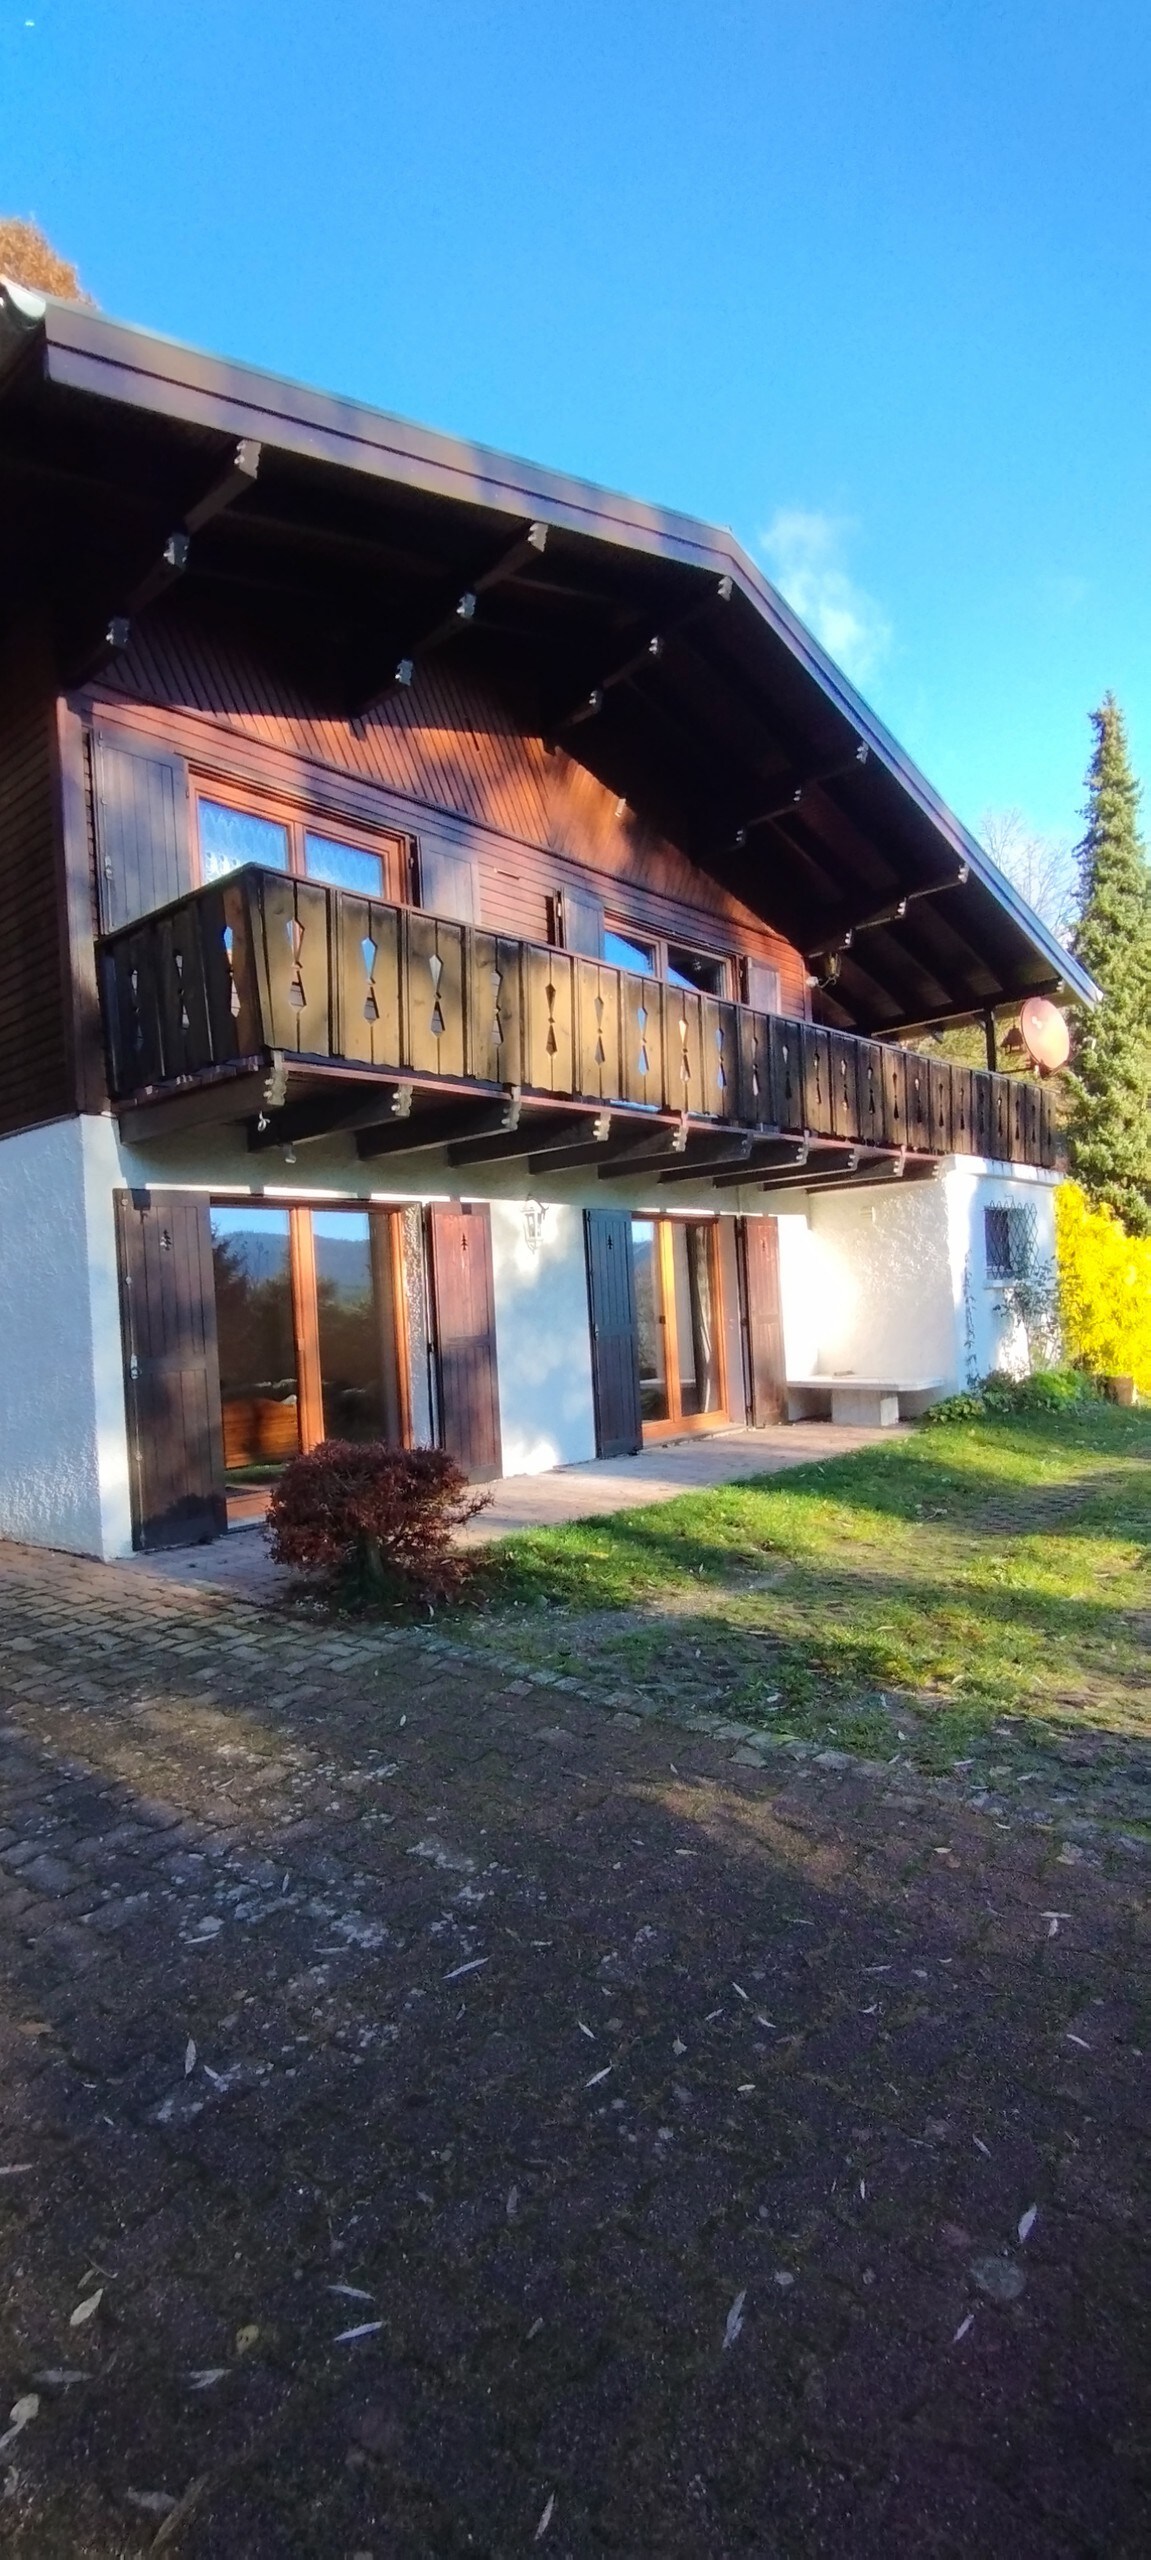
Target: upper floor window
<point x="230" y="837"/>
<point x="701" y="971"/>
<point x="229" y="834"/>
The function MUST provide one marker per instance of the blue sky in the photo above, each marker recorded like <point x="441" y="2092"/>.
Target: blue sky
<point x="868" y="280"/>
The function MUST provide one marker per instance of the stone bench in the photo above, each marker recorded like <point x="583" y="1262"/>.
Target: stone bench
<point x="878" y="1403"/>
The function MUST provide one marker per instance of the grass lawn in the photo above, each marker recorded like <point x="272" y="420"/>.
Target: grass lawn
<point x="971" y="1581"/>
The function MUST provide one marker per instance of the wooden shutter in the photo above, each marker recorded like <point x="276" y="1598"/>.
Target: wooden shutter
<point x="763" y="1321"/>
<point x="143" y="855"/>
<point x="579" y="916"/>
<point x="614" y="1337"/>
<point x="171" y="1370"/>
<point x="464" y="1299"/>
<point x="761" y="986"/>
<point x="447" y="882"/>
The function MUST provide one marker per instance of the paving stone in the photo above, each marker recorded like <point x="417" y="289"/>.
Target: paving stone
<point x="234" y="2098"/>
<point x="48" y="1875"/>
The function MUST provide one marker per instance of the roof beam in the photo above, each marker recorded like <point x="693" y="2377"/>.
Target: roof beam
<point x="325" y="1115"/>
<point x="172" y="560"/>
<point x="440" y="1128"/>
<point x="628" y="1153"/>
<point x="893" y="913"/>
<point x="543" y="1143"/>
<point x="790" y="796"/>
<point x="646" y="653"/>
<point x="451" y="618"/>
<point x="240" y="476"/>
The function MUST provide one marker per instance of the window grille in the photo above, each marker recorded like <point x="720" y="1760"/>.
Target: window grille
<point x="1010" y="1241"/>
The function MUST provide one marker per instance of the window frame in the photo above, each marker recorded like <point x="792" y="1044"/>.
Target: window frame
<point x="250" y="1501"/>
<point x="1021" y="1226"/>
<point x="661" y="944"/>
<point x="301" y="818"/>
<point x="677" y="1424"/>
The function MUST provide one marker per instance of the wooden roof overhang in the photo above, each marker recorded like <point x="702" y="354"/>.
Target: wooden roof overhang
<point x="644" y="643"/>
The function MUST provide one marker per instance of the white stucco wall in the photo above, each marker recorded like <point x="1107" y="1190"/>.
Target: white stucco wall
<point x="991" y="1336"/>
<point x="885" y="1286"/>
<point x="63" y="1449"/>
<point x="893" y="1283"/>
<point x="800" y="1288"/>
<point x="543" y="1341"/>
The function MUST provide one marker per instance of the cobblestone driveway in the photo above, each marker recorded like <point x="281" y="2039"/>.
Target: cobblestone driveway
<point x="429" y="2128"/>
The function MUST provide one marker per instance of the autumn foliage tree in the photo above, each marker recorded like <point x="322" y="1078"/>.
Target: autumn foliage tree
<point x="28" y="258"/>
<point x="1109" y="1121"/>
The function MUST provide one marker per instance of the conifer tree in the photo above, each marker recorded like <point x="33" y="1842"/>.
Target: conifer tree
<point x="1109" y="1124"/>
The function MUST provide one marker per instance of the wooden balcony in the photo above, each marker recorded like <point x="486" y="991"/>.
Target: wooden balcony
<point x="262" y="975"/>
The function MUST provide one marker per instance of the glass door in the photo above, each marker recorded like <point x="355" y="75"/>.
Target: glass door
<point x="312" y="1322"/>
<point x="678" y="1324"/>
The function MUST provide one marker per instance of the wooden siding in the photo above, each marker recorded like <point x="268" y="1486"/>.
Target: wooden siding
<point x="36" y="1042"/>
<point x="447" y="761"/>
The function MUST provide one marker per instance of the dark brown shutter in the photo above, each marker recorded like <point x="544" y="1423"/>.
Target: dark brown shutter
<point x="171" y="1370"/>
<point x="763" y="1320"/>
<point x="447" y="882"/>
<point x="143" y="856"/>
<point x="614" y="1339"/>
<point x="761" y="986"/>
<point x="461" y="1241"/>
<point x="580" y="919"/>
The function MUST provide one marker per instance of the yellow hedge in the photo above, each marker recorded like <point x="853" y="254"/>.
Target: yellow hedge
<point x="1104" y="1289"/>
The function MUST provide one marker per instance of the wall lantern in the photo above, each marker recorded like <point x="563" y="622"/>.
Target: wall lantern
<point x="534" y="1216"/>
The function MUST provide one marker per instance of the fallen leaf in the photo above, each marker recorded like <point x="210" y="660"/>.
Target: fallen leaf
<point x="535" y="2328"/>
<point x="545" y="2519"/>
<point x="734" y="2320"/>
<point x="461" y="1969"/>
<point x="1079" y="2040"/>
<point x="174" y="2524"/>
<point x="513" y="2202"/>
<point x="207" y="2375"/>
<point x="679" y="2045"/>
<point x="597" y="2076"/>
<point x="744" y="1995"/>
<point x="351" y="2292"/>
<point x="963" y="2328"/>
<point x="247" y="2338"/>
<point x="589" y="2032"/>
<point x="189" y="2067"/>
<point x="1027" y="2221"/>
<point x="999" y="2278"/>
<point x="365" y="2329"/>
<point x="152" y="2502"/>
<point x="87" y="2309"/>
<point x="21" y="2414"/>
<point x="784" y="2278"/>
<point x="16" y="2169"/>
<point x="981" y="2146"/>
<point x="60" y="2376"/>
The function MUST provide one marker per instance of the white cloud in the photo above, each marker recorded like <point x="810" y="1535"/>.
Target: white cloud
<point x="804" y="551"/>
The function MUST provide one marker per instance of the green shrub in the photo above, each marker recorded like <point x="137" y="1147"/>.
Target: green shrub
<point x="1000" y="1398"/>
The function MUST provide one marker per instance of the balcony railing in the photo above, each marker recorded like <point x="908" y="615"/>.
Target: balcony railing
<point x="259" y="963"/>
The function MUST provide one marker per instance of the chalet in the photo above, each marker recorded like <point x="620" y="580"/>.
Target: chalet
<point x="459" y="937"/>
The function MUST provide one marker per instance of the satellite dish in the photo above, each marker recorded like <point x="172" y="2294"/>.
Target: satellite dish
<point x="1045" y="1035"/>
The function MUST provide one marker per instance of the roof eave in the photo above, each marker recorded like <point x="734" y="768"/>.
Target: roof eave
<point x="110" y="359"/>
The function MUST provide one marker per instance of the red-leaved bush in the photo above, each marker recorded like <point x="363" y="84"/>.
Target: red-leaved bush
<point x="374" y="1523"/>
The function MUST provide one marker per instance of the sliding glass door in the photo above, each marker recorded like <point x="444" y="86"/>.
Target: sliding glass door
<point x="313" y="1322"/>
<point x="678" y="1324"/>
